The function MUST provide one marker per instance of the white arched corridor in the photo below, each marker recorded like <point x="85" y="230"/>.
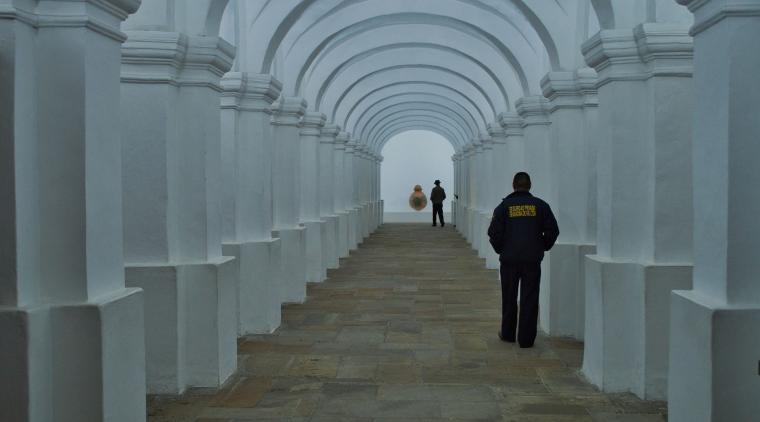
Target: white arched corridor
<point x="173" y="172"/>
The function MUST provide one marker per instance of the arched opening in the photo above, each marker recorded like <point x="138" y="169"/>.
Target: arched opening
<point x="415" y="157"/>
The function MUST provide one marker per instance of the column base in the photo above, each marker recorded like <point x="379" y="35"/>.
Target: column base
<point x="471" y="225"/>
<point x="293" y="264"/>
<point x="330" y="242"/>
<point x="485" y="250"/>
<point x="713" y="360"/>
<point x="381" y="213"/>
<point x="626" y="332"/>
<point x="343" y="229"/>
<point x="353" y="229"/>
<point x="190" y="323"/>
<point x="366" y="213"/>
<point x="258" y="295"/>
<point x="74" y="362"/>
<point x="315" y="271"/>
<point x="563" y="290"/>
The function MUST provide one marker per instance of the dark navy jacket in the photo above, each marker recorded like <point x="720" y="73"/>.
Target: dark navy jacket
<point x="523" y="228"/>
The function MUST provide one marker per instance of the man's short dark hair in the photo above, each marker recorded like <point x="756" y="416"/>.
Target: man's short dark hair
<point x="437" y="182"/>
<point x="521" y="181"/>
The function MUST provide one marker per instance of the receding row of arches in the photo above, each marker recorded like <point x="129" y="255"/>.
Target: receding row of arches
<point x="177" y="170"/>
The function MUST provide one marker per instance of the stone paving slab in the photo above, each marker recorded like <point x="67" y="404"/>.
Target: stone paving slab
<point x="405" y="330"/>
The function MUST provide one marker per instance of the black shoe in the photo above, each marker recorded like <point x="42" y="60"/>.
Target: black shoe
<point x="526" y="346"/>
<point x="505" y="339"/>
<point x="434" y="224"/>
<point x="442" y="225"/>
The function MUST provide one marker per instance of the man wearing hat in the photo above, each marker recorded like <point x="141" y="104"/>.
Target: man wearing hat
<point x="437" y="195"/>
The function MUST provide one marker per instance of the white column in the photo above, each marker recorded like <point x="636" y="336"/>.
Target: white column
<point x="247" y="151"/>
<point x="498" y="188"/>
<point x="327" y="208"/>
<point x="286" y="205"/>
<point x="570" y="95"/>
<point x="311" y="131"/>
<point x="455" y="189"/>
<point x="378" y="189"/>
<point x="339" y="187"/>
<point x="515" y="147"/>
<point x="535" y="120"/>
<point x="644" y="227"/>
<point x="715" y="328"/>
<point x="486" y="201"/>
<point x="473" y="187"/>
<point x="71" y="334"/>
<point x="349" y="178"/>
<point x="467" y="151"/>
<point x="171" y="146"/>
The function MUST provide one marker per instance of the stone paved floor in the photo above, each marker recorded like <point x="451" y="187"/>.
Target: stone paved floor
<point x="405" y="330"/>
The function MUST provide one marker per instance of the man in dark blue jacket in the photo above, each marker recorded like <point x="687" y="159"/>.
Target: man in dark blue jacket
<point x="522" y="229"/>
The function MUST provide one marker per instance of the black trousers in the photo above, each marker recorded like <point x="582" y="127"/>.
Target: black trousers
<point x="438" y="211"/>
<point x="526" y="276"/>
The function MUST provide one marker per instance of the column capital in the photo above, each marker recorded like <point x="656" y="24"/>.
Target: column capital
<point x="570" y="89"/>
<point x="330" y="130"/>
<point x="486" y="143"/>
<point x="533" y="110"/>
<point x="312" y="123"/>
<point x="650" y="49"/>
<point x="79" y="14"/>
<point x="287" y="111"/>
<point x="152" y="56"/>
<point x="249" y="91"/>
<point x="707" y="13"/>
<point x="512" y="123"/>
<point x="497" y="133"/>
<point x="175" y="58"/>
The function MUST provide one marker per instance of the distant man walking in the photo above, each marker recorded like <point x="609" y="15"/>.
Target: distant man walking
<point x="437" y="195"/>
<point x="522" y="229"/>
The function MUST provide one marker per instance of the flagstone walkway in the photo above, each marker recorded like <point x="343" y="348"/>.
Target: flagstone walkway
<point x="405" y="330"/>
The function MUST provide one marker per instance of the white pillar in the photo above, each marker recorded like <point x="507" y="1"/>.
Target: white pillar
<point x="311" y="131"/>
<point x="467" y="194"/>
<point x="497" y="189"/>
<point x="455" y="189"/>
<point x="515" y="147"/>
<point x="486" y="201"/>
<point x="327" y="209"/>
<point x="349" y="178"/>
<point x="644" y="227"/>
<point x="170" y="120"/>
<point x="71" y="334"/>
<point x="715" y="329"/>
<point x="474" y="168"/>
<point x="570" y="95"/>
<point x="247" y="149"/>
<point x="381" y="202"/>
<point x="535" y="120"/>
<point x="286" y="206"/>
<point x="339" y="187"/>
